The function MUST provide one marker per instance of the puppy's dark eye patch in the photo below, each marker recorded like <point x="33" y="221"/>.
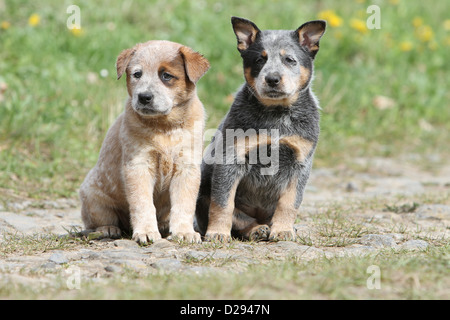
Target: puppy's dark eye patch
<point x="137" y="74"/>
<point x="260" y="60"/>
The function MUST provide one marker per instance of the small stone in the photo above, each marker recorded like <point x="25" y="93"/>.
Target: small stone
<point x="415" y="245"/>
<point x="58" y="258"/>
<point x="167" y="264"/>
<point x="162" y="244"/>
<point x="134" y="265"/>
<point x="124" y="243"/>
<point x="433" y="212"/>
<point x="198" y="255"/>
<point x="116" y="254"/>
<point x="356" y="251"/>
<point x="47" y="266"/>
<point x="112" y="268"/>
<point x="351" y="187"/>
<point x="378" y="241"/>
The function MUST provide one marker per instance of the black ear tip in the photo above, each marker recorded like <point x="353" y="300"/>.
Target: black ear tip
<point x="323" y="23"/>
<point x="236" y="20"/>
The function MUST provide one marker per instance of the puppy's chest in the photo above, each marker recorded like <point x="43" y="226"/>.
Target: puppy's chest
<point x="166" y="152"/>
<point x="272" y="145"/>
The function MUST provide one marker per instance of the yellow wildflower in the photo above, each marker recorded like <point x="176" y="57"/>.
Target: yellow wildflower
<point x="406" y="46"/>
<point x="359" y="25"/>
<point x="424" y="33"/>
<point x="77" y="31"/>
<point x="34" y="20"/>
<point x="5" y="25"/>
<point x="394" y="2"/>
<point x="447" y="25"/>
<point x="332" y="18"/>
<point x="417" y="22"/>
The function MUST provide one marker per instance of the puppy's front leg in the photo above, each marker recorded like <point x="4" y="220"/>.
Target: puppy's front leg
<point x="285" y="213"/>
<point x="183" y="196"/>
<point x="225" y="181"/>
<point x="139" y="184"/>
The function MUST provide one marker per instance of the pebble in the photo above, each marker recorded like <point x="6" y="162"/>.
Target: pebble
<point x="125" y="243"/>
<point x="378" y="241"/>
<point x="113" y="268"/>
<point x="433" y="212"/>
<point x="167" y="264"/>
<point x="415" y="245"/>
<point x="351" y="187"/>
<point x="356" y="251"/>
<point x="162" y="244"/>
<point x="58" y="258"/>
<point x="198" y="255"/>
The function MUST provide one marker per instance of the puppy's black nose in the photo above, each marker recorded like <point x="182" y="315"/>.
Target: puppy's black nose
<point x="145" y="98"/>
<point x="273" y="79"/>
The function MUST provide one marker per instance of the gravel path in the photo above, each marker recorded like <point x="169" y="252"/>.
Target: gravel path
<point x="359" y="209"/>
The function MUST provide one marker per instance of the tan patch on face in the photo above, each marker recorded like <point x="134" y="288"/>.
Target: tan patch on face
<point x="264" y="53"/>
<point x="248" y="77"/>
<point x="283" y="52"/>
<point x="305" y="75"/>
<point x="279" y="102"/>
<point x="299" y="145"/>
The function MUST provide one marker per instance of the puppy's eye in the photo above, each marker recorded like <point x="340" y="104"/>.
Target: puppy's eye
<point x="291" y="60"/>
<point x="137" y="74"/>
<point x="260" y="60"/>
<point x="166" y="76"/>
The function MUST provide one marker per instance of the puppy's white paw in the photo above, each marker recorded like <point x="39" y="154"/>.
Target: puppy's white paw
<point x="216" y="236"/>
<point x="190" y="237"/>
<point x="282" y="235"/>
<point x="112" y="232"/>
<point x="144" y="237"/>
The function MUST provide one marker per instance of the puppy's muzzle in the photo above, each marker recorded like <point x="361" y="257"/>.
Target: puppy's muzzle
<point x="146" y="98"/>
<point x="273" y="79"/>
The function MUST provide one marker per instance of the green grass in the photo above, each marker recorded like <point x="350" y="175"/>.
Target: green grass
<point x="404" y="275"/>
<point x="57" y="108"/>
<point x="16" y="243"/>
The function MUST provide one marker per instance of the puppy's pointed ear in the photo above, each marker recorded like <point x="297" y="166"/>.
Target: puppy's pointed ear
<point x="123" y="60"/>
<point x="309" y="35"/>
<point x="246" y="32"/>
<point x="195" y="64"/>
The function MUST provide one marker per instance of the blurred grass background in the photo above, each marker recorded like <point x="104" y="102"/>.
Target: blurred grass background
<point x="383" y="92"/>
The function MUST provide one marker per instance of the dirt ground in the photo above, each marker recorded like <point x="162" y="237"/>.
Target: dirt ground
<point x="352" y="210"/>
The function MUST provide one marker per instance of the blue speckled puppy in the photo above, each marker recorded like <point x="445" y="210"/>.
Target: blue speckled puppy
<point x="255" y="170"/>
